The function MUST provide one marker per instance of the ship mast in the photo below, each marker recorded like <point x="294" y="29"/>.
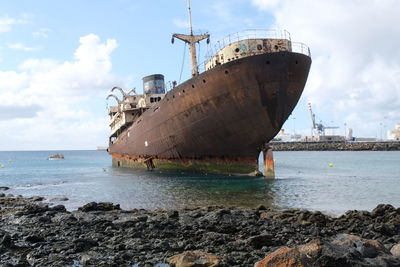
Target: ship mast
<point x="191" y="39"/>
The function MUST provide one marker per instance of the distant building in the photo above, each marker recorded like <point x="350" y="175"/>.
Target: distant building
<point x="282" y="136"/>
<point x="350" y="135"/>
<point x="323" y="138"/>
<point x="395" y="133"/>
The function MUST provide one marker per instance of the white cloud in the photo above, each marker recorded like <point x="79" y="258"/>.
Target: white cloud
<point x="59" y="96"/>
<point x="266" y="4"/>
<point x="6" y="23"/>
<point x="355" y="75"/>
<point x="21" y="47"/>
<point x="42" y="33"/>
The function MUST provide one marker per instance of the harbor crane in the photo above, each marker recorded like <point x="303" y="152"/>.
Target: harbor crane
<point x="319" y="127"/>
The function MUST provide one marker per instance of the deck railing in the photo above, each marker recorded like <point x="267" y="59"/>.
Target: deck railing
<point x="247" y="34"/>
<point x="253" y="34"/>
<point x="301" y="48"/>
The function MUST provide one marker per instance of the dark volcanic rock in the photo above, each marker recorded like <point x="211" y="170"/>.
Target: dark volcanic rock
<point x="101" y="206"/>
<point x="34" y="208"/>
<point x="381" y="209"/>
<point x="59" y="199"/>
<point x="83" y="244"/>
<point x="36" y="198"/>
<point x="6" y="241"/>
<point x="259" y="241"/>
<point x="59" y="208"/>
<point x="34" y="239"/>
<point x="100" y="234"/>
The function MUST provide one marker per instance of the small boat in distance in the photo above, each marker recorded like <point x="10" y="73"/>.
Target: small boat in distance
<point x="56" y="157"/>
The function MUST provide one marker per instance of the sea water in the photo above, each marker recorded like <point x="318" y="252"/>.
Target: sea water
<point x="330" y="181"/>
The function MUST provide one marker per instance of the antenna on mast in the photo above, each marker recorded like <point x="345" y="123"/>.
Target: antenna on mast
<point x="190" y="18"/>
<point x="191" y="40"/>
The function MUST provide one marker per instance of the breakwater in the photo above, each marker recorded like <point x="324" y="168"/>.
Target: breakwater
<point x="335" y="146"/>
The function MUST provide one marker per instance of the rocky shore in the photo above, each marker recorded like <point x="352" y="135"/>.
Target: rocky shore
<point x="101" y="234"/>
<point x="335" y="146"/>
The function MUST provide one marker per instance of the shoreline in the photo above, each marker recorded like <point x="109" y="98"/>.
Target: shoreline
<point x="335" y="146"/>
<point x="101" y="234"/>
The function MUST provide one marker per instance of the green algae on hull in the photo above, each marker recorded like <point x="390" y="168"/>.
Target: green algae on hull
<point x="217" y="166"/>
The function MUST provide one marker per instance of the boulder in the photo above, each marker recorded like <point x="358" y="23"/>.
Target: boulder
<point x="6" y="241"/>
<point x="261" y="207"/>
<point x="366" y="247"/>
<point x="32" y="208"/>
<point x="259" y="241"/>
<point x="59" y="199"/>
<point x="60" y="208"/>
<point x="101" y="206"/>
<point x="36" y="198"/>
<point x="283" y="256"/>
<point x="341" y="250"/>
<point x="194" y="258"/>
<point x="381" y="209"/>
<point x="34" y="239"/>
<point x="395" y="250"/>
<point x="83" y="244"/>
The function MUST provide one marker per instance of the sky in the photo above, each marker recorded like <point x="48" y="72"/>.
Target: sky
<point x="59" y="60"/>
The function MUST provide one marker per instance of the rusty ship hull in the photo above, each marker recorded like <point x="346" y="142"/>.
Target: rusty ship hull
<point x="219" y="120"/>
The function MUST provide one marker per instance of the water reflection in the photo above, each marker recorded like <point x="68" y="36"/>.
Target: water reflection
<point x="180" y="189"/>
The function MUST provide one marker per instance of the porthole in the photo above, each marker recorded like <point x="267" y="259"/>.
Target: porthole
<point x="276" y="47"/>
<point x="259" y="47"/>
<point x="237" y="50"/>
<point x="183" y="90"/>
<point x="204" y="81"/>
<point x="173" y="96"/>
<point x="192" y="85"/>
<point x="226" y="72"/>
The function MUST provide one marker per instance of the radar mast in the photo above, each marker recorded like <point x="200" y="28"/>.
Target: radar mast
<point x="191" y="39"/>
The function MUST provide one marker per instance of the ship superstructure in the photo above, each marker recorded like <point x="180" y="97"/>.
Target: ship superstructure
<point x="132" y="105"/>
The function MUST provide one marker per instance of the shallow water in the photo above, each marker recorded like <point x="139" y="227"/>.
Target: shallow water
<point x="357" y="180"/>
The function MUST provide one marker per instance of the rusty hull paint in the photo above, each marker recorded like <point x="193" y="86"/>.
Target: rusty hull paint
<point x="236" y="166"/>
<point x="269" y="164"/>
<point x="229" y="111"/>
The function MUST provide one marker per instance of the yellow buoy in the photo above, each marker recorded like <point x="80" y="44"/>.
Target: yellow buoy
<point x="330" y="164"/>
<point x="2" y="165"/>
<point x="9" y="161"/>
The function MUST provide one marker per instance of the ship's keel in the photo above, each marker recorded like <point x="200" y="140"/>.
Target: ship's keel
<point x="232" y="166"/>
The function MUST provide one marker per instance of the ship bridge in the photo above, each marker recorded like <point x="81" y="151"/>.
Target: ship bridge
<point x="250" y="43"/>
<point x="132" y="105"/>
